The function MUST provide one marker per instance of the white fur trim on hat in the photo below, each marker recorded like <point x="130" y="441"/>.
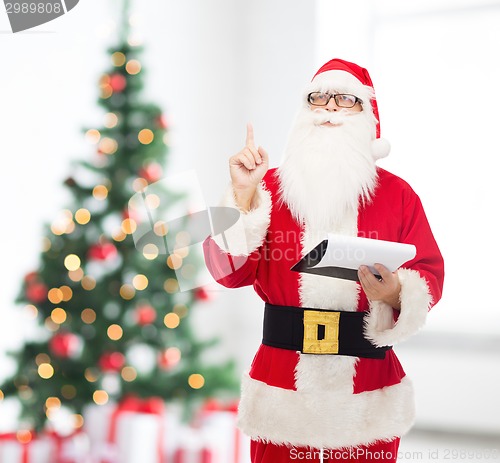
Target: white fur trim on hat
<point x="248" y="233"/>
<point x="341" y="81"/>
<point x="380" y="327"/>
<point x="324" y="419"/>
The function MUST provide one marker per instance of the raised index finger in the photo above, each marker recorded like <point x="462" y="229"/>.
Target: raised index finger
<point x="250" y="141"/>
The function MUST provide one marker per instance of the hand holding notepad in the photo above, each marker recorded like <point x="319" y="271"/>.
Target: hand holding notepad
<point x="340" y="256"/>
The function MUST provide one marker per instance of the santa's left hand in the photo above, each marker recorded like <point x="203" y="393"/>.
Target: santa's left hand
<point x="385" y="289"/>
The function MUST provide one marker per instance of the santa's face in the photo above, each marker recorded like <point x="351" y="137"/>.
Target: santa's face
<point x="328" y="167"/>
<point x="331" y="101"/>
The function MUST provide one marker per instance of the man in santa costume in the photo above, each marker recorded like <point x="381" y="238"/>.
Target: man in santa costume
<point x="342" y="396"/>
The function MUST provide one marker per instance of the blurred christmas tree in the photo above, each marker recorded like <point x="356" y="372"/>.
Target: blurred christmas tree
<point x="113" y="320"/>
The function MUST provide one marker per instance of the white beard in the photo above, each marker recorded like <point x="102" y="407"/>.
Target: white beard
<point x="327" y="171"/>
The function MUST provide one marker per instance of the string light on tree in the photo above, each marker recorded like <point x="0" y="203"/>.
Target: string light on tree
<point x="91" y="374"/>
<point x="58" y="316"/>
<point x="55" y="295"/>
<point x="127" y="292"/>
<point x="129" y="374"/>
<point x="63" y="224"/>
<point x="140" y="282"/>
<point x="88" y="283"/>
<point x="118" y="59"/>
<point x="45" y="370"/>
<point x="110" y="120"/>
<point x="88" y="316"/>
<point x="196" y="381"/>
<point x="100" y="397"/>
<point x="115" y="332"/>
<point x="108" y="145"/>
<point x="150" y="251"/>
<point x="171" y="285"/>
<point x="171" y="320"/>
<point x="110" y="313"/>
<point x="93" y="136"/>
<point x="82" y="216"/>
<point x="133" y="67"/>
<point x="146" y="136"/>
<point x="129" y="226"/>
<point x="31" y="311"/>
<point x="72" y="262"/>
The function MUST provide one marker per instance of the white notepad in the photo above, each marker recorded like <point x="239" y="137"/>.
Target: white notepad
<point x="352" y="252"/>
<point x="340" y="256"/>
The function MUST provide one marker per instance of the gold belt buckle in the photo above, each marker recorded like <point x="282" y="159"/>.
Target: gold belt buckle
<point x="329" y="344"/>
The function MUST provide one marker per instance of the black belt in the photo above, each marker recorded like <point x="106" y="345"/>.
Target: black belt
<point x="313" y="331"/>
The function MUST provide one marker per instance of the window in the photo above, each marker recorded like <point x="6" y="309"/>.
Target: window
<point x="436" y="69"/>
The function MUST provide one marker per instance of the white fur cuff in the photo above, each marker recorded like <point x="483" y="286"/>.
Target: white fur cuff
<point x="248" y="233"/>
<point x="416" y="300"/>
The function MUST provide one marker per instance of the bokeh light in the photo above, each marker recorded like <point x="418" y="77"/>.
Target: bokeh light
<point x="196" y="381"/>
<point x="100" y="192"/>
<point x="127" y="292"/>
<point x="133" y="67"/>
<point x="88" y="283"/>
<point x="150" y="251"/>
<point x="146" y="136"/>
<point x="108" y="145"/>
<point x="171" y="320"/>
<point x="140" y="282"/>
<point x="58" y="315"/>
<point x="129" y="374"/>
<point x="67" y="293"/>
<point x="88" y="316"/>
<point x="45" y="370"/>
<point x="115" y="332"/>
<point x="110" y="120"/>
<point x="82" y="216"/>
<point x="72" y="262"/>
<point x="129" y="226"/>
<point x="171" y="285"/>
<point x="100" y="397"/>
<point x="118" y="58"/>
<point x="93" y="136"/>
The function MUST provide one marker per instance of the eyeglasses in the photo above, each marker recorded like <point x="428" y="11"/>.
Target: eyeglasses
<point x="343" y="100"/>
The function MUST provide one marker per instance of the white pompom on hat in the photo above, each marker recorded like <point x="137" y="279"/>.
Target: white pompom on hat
<point x="380" y="146"/>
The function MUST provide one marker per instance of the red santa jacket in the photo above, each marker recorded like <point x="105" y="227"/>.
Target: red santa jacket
<point x="328" y="401"/>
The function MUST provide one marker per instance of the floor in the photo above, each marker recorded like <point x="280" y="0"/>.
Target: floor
<point x="425" y="446"/>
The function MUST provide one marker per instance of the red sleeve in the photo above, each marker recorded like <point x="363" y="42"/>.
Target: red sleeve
<point x="421" y="279"/>
<point x="228" y="270"/>
<point x="416" y="230"/>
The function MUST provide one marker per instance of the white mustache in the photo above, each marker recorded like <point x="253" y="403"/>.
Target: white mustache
<point x="321" y="116"/>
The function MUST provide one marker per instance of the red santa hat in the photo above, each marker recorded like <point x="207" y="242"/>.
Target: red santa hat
<point x="340" y="75"/>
